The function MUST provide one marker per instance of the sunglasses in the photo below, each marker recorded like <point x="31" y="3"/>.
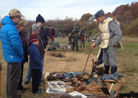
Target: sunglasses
<point x="19" y="17"/>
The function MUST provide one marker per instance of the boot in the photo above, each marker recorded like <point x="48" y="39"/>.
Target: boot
<point x="73" y="47"/>
<point x="107" y="67"/>
<point x="113" y="70"/>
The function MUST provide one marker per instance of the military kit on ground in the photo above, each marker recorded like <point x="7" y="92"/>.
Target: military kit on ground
<point x="92" y="85"/>
<point x="53" y="45"/>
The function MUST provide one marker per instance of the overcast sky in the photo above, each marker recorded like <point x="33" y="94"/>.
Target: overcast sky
<point x="59" y="9"/>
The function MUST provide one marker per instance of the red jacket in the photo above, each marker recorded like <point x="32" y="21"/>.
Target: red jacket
<point x="51" y="36"/>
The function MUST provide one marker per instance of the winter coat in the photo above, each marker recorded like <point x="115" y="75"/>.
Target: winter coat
<point x="75" y="31"/>
<point x="11" y="41"/>
<point x="47" y="34"/>
<point x="115" y="33"/>
<point x="25" y="47"/>
<point x="35" y="58"/>
<point x="43" y="36"/>
<point x="51" y="36"/>
<point x="41" y="47"/>
<point x="53" y="31"/>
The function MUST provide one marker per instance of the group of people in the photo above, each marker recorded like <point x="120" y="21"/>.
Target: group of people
<point x="16" y="47"/>
<point x="78" y="34"/>
<point x="108" y="40"/>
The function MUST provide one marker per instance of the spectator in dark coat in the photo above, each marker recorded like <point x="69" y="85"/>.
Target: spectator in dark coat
<point x="43" y="36"/>
<point x="47" y="34"/>
<point x="50" y="37"/>
<point x="40" y="21"/>
<point x="53" y="32"/>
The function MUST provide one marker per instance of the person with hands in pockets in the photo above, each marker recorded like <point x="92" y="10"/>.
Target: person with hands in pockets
<point x="108" y="40"/>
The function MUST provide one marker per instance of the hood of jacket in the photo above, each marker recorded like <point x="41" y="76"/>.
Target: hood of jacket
<point x="7" y="20"/>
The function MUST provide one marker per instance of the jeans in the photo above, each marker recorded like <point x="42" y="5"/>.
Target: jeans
<point x="41" y="72"/>
<point x="29" y="74"/>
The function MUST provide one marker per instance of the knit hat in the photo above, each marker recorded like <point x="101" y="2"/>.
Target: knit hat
<point x="99" y="13"/>
<point x="33" y="38"/>
<point x="39" y="18"/>
<point x="35" y="27"/>
<point x="15" y="12"/>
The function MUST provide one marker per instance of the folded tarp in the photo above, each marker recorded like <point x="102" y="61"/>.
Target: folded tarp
<point x="114" y="76"/>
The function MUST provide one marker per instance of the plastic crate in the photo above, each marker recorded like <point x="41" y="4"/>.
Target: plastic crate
<point x="114" y="85"/>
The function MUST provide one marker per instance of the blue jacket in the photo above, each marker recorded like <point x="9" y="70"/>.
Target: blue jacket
<point x="11" y="41"/>
<point x="35" y="58"/>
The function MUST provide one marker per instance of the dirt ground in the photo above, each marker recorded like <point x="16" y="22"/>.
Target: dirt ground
<point x="127" y="65"/>
<point x="67" y="64"/>
<point x="71" y="62"/>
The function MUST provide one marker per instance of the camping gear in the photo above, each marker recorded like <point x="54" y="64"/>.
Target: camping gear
<point x="114" y="85"/>
<point x="83" y="77"/>
<point x="52" y="46"/>
<point x="114" y="76"/>
<point x="97" y="68"/>
<point x="94" y="75"/>
<point x="51" y="77"/>
<point x="79" y="86"/>
<point x="98" y="80"/>
<point x="73" y="74"/>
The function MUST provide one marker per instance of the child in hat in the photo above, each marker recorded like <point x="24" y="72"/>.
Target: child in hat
<point x="35" y="58"/>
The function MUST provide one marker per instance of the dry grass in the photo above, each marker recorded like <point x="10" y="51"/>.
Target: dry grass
<point x="127" y="61"/>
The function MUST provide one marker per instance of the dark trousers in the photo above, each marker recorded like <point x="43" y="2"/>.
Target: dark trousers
<point x="70" y="39"/>
<point x="82" y="42"/>
<point x="35" y="80"/>
<point x="75" y="42"/>
<point x="40" y="76"/>
<point x="20" y="86"/>
<point x="13" y="78"/>
<point x="53" y="39"/>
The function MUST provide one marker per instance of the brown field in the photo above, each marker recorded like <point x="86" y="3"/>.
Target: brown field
<point x="127" y="62"/>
